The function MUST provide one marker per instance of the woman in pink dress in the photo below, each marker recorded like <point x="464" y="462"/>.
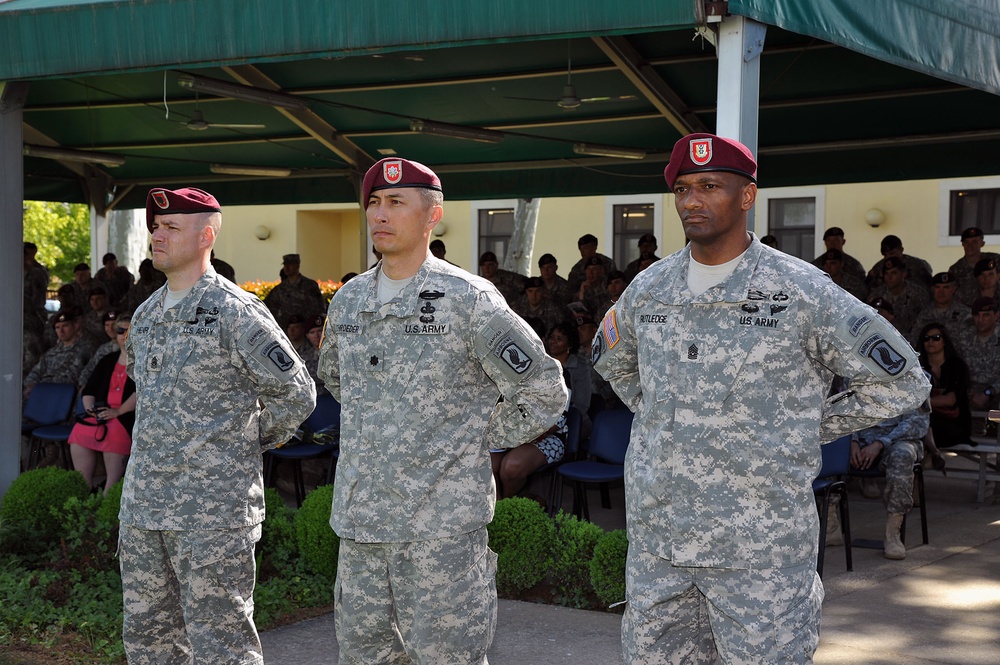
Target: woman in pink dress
<point x="109" y="398"/>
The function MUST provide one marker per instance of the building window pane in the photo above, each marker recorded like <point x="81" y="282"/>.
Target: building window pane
<point x="495" y="228"/>
<point x="974" y="207"/>
<point x="631" y="222"/>
<point x="793" y="222"/>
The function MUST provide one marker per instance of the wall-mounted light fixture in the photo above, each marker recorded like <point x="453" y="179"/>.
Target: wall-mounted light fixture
<point x="246" y="93"/>
<point x="597" y="150"/>
<point x="262" y="232"/>
<point x="70" y="155"/>
<point x="440" y="229"/>
<point x="241" y="169"/>
<point x="456" y="131"/>
<point x="874" y="218"/>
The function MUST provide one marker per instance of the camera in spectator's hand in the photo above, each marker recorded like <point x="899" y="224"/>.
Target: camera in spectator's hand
<point x="97" y="407"/>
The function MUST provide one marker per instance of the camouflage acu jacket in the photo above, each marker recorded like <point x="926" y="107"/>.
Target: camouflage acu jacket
<point x="730" y="394"/>
<point x="419" y="381"/>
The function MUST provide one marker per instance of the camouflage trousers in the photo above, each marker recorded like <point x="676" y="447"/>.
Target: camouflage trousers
<point x="188" y="596"/>
<point x="688" y="616"/>
<point x="897" y="462"/>
<point x="428" y="602"/>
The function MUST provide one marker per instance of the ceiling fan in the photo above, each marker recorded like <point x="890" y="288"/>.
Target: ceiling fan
<point x="198" y="123"/>
<point x="569" y="99"/>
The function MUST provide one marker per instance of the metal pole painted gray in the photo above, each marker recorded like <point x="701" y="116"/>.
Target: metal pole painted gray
<point x="740" y="43"/>
<point x="12" y="98"/>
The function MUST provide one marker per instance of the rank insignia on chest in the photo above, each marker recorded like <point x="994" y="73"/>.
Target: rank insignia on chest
<point x="692" y="351"/>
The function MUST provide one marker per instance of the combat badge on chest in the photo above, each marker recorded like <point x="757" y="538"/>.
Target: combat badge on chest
<point x="428" y="324"/>
<point x="764" y="310"/>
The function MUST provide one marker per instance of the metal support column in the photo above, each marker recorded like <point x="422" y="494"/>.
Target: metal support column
<point x="740" y="43"/>
<point x="12" y="99"/>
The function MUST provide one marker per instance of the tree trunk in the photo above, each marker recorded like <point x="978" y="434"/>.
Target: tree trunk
<point x="522" y="239"/>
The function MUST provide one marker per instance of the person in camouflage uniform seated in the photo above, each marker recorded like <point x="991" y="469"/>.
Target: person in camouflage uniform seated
<point x="893" y="446"/>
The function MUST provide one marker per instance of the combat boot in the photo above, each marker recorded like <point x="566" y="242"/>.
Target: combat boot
<point x="833" y="532"/>
<point x="894" y="548"/>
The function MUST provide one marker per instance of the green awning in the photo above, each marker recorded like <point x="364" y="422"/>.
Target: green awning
<point x="956" y="40"/>
<point x="58" y="38"/>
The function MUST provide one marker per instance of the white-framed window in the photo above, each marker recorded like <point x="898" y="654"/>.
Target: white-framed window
<point x="628" y="218"/>
<point x="796" y="216"/>
<point x="965" y="202"/>
<point x="492" y="224"/>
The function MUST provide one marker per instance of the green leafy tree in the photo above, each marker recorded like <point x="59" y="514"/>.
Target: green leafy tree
<point x="62" y="233"/>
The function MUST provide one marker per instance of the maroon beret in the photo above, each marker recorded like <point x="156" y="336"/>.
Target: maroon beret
<point x="982" y="265"/>
<point x="393" y="172"/>
<point x="696" y="153"/>
<point x="893" y="262"/>
<point x="188" y="200"/>
<point x="315" y="322"/>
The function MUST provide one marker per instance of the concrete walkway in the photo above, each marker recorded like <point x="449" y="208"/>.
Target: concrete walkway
<point x="940" y="605"/>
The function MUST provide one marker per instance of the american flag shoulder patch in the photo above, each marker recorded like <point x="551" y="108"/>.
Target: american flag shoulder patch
<point x="610" y="329"/>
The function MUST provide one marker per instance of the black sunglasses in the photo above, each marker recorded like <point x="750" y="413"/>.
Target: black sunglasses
<point x="121" y="331"/>
<point x="936" y="338"/>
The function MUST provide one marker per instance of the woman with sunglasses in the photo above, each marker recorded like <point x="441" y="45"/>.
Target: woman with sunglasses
<point x="951" y="418"/>
<point x="109" y="400"/>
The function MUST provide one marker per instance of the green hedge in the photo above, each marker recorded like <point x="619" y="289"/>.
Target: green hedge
<point x="69" y="583"/>
<point x="30" y="512"/>
<point x="607" y="568"/>
<point x="318" y="544"/>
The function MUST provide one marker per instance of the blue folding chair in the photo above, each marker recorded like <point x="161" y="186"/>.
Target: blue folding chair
<point x="832" y="480"/>
<point x="609" y="440"/>
<point x="48" y="404"/>
<point x="324" y="419"/>
<point x="55" y="434"/>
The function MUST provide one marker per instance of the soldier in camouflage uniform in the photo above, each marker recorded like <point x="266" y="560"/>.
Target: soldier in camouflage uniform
<point x="833" y="263"/>
<point x="64" y="361"/>
<point x="964" y="269"/>
<point x="944" y="309"/>
<point x="509" y="284"/>
<point x="893" y="446"/>
<point x="432" y="369"/>
<point x="726" y="351"/>
<point x="979" y="345"/>
<point x="296" y="294"/>
<point x="217" y="385"/>
<point x="907" y="297"/>
<point x="588" y="249"/>
<point x="556" y="287"/>
<point x="36" y="285"/>
<point x="535" y="304"/>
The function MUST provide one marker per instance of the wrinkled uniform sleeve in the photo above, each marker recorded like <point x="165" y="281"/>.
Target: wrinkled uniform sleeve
<point x="615" y="351"/>
<point x="529" y="380"/>
<point x="287" y="392"/>
<point x="328" y="367"/>
<point x="884" y="374"/>
<point x="911" y="426"/>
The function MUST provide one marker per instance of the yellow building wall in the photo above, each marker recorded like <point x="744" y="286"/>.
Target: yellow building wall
<point x="329" y="236"/>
